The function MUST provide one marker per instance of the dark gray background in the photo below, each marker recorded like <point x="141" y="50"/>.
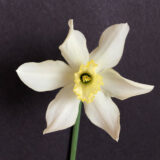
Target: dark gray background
<point x="32" y="30"/>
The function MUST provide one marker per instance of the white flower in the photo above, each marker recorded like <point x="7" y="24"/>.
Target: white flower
<point x="86" y="77"/>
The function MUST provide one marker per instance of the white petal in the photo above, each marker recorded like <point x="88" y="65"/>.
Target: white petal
<point x="117" y="86"/>
<point x="111" y="45"/>
<point x="62" y="111"/>
<point x="74" y="48"/>
<point x="104" y="113"/>
<point x="45" y="76"/>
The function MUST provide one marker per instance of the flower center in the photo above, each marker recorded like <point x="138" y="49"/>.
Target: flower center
<point x="86" y="78"/>
<point x="87" y="82"/>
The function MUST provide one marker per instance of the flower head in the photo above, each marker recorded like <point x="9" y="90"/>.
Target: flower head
<point x="87" y="77"/>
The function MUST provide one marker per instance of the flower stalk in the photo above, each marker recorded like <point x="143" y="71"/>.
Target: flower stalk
<point x="75" y="133"/>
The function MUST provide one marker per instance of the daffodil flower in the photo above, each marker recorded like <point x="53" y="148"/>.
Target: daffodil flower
<point x="87" y="77"/>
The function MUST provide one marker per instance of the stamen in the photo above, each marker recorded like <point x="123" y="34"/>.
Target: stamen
<point x="86" y="78"/>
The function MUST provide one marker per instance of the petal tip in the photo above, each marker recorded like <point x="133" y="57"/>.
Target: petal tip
<point x="117" y="131"/>
<point x="70" y="23"/>
<point x="150" y="88"/>
<point x="45" y="131"/>
<point x="115" y="135"/>
<point x="71" y="27"/>
<point x="18" y="70"/>
<point x="127" y="26"/>
<point x="117" y="139"/>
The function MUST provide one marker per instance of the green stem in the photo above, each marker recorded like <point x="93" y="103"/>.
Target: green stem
<point x="75" y="133"/>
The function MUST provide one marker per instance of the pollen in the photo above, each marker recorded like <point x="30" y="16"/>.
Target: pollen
<point x="85" y="78"/>
<point x="87" y="82"/>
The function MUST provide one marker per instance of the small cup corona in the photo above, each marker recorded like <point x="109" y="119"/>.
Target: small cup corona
<point x="87" y="82"/>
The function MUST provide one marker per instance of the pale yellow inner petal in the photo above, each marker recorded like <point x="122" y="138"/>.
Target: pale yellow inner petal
<point x="87" y="82"/>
